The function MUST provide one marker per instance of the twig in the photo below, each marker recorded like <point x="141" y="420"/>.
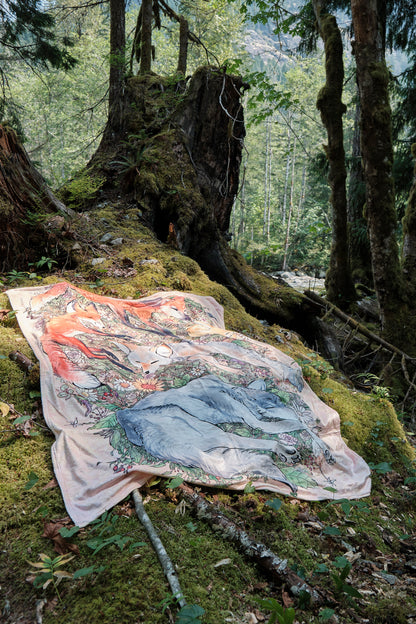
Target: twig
<point x="163" y="556"/>
<point x="277" y="568"/>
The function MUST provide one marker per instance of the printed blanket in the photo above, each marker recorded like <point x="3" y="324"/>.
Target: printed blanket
<point x="158" y="386"/>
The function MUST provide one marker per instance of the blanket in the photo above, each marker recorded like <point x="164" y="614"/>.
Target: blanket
<point x="159" y="386"/>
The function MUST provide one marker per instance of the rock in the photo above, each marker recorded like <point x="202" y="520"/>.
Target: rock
<point x="96" y="261"/>
<point x="117" y="242"/>
<point x="385" y="576"/>
<point x="150" y="261"/>
<point x="106" y="238"/>
<point x="411" y="564"/>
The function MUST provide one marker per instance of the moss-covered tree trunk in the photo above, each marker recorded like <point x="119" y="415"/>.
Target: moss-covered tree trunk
<point x="117" y="63"/>
<point x="146" y="36"/>
<point x="339" y="284"/>
<point x="409" y="236"/>
<point x="377" y="151"/>
<point x="28" y="210"/>
<point x="178" y="161"/>
<point x="360" y="256"/>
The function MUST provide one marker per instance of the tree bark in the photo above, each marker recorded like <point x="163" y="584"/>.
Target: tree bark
<point x="377" y="152"/>
<point x="409" y="236"/>
<point x="339" y="285"/>
<point x="183" y="45"/>
<point x="359" y="244"/>
<point x="146" y="37"/>
<point x="26" y="233"/>
<point x="117" y="63"/>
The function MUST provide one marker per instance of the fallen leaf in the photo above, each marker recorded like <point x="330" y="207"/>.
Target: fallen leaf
<point x="286" y="599"/>
<point x="61" y="545"/>
<point x="124" y="509"/>
<point x="4" y="408"/>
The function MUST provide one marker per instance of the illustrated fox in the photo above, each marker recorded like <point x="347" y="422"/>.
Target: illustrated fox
<point x="67" y="330"/>
<point x="143" y="310"/>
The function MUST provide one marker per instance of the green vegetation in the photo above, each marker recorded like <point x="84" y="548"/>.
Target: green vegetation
<point x="132" y="585"/>
<point x="359" y="551"/>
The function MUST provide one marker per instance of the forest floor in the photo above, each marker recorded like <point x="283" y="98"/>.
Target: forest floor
<point x="360" y="553"/>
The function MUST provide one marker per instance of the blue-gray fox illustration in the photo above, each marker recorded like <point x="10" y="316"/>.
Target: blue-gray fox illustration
<point x="186" y="426"/>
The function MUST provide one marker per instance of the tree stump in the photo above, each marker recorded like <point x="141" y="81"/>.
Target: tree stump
<point x="177" y="158"/>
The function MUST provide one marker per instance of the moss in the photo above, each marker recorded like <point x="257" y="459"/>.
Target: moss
<point x="133" y="586"/>
<point x="391" y="609"/>
<point x="82" y="189"/>
<point x="368" y="424"/>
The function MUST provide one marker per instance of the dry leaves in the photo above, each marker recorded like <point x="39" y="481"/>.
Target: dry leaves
<point x="61" y="545"/>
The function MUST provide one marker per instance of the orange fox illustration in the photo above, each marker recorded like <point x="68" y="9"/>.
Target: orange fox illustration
<point x="124" y="309"/>
<point x="67" y="330"/>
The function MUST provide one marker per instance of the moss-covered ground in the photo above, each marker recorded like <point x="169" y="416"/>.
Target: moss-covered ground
<point x="376" y="536"/>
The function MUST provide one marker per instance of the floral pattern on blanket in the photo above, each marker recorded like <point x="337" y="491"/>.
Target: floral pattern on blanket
<point x="159" y="386"/>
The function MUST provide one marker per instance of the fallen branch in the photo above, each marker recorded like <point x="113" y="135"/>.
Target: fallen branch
<point x="277" y="568"/>
<point x="22" y="361"/>
<point x="163" y="556"/>
<point x="362" y="329"/>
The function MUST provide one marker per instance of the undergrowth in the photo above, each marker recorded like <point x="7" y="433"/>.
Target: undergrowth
<point x="337" y="544"/>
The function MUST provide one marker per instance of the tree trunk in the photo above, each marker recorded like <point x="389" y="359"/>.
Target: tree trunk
<point x="146" y="37"/>
<point x="26" y="232"/>
<point x="377" y="152"/>
<point x="360" y="256"/>
<point x="289" y="215"/>
<point x="117" y="63"/>
<point x="339" y="284"/>
<point x="284" y="204"/>
<point x="183" y="45"/>
<point x="267" y="165"/>
<point x="409" y="236"/>
<point x="178" y="160"/>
